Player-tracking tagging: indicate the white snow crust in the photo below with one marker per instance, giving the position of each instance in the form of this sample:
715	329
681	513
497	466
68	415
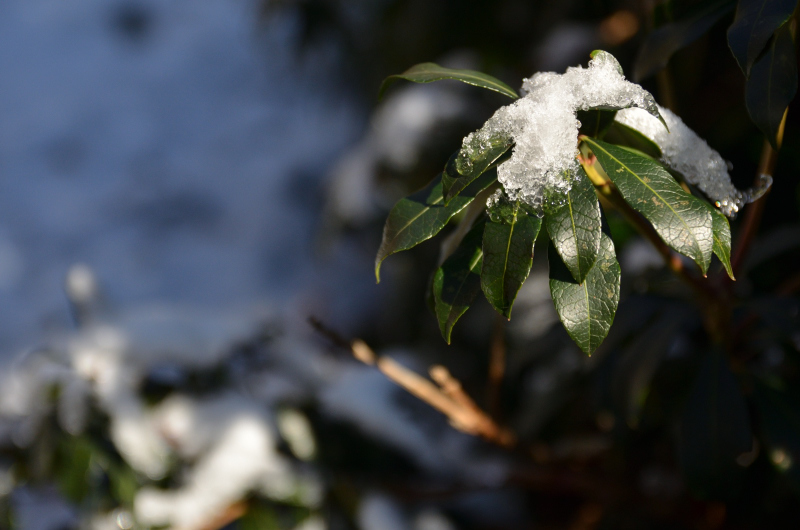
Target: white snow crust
544	127
685	152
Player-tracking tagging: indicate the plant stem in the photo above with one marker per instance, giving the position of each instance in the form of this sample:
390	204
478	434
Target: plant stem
497	365
446	395
752	216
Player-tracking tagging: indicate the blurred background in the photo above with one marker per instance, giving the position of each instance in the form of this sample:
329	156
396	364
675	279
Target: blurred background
183	183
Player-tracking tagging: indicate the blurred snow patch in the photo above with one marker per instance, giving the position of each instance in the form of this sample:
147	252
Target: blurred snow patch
238	455
398	132
431	519
638	256
380	512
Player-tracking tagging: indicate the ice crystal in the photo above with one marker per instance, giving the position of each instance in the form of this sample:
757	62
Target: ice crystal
543	125
682	150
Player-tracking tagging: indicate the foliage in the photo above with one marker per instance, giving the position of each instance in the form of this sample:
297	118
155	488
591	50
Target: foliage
510	228
725	410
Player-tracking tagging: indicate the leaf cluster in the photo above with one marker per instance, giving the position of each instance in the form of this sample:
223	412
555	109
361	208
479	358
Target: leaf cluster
495	254
762	39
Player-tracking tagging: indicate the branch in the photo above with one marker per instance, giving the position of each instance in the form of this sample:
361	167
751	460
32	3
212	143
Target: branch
448	397
497	365
752	216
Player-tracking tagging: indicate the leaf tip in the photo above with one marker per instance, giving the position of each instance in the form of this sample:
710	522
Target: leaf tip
446	332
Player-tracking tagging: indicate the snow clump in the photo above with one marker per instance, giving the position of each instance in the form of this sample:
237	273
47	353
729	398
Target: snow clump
688	154
543	125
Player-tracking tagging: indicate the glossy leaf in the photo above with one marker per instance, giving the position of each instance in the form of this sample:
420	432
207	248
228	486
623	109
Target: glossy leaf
422	215
458	280
682	221
595	122
755	22
772	84
659	46
779	413
714	429
574	228
430	72
507	253
587	310
620	134
722	239
459	173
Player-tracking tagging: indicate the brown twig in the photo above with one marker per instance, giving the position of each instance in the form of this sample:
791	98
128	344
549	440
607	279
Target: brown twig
230	514
448	397
753	214
497	365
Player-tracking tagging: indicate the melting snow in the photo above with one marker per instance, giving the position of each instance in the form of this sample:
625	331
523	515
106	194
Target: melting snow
688	154
544	127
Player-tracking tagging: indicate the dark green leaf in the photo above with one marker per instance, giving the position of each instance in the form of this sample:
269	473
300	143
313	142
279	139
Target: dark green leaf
575	228
639	361
587	310
772	84
123	483
682	221
722	238
714	429
422	215
755	22
666	40
595	122
72	474
779	412
507	252
458	280
429	72
621	134
462	169
260	517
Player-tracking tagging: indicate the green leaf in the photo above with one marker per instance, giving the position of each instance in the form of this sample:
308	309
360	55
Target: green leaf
575	228
458	280
595	122
755	22
620	134
429	72
659	46
462	169
682	221
772	84
123	483
422	215
722	238
72	474
714	429
507	252
587	310
779	412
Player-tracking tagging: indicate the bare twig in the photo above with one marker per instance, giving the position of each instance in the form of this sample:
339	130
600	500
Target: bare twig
497	365
752	216
230	514
448	397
